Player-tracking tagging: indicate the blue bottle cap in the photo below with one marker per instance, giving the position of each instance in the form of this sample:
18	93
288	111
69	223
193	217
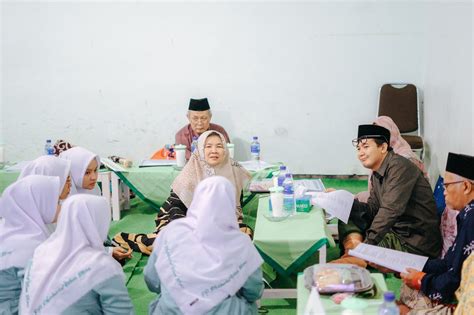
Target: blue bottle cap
255	138
282	167
389	296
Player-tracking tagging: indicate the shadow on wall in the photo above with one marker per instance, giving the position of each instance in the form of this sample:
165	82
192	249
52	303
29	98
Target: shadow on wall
241	150
431	160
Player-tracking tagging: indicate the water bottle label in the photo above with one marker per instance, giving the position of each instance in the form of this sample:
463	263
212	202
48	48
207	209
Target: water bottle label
255	149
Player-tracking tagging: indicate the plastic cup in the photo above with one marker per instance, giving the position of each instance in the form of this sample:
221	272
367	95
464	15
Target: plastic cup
180	150
230	147
276	198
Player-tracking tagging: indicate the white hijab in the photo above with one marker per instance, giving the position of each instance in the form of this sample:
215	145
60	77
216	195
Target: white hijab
80	159
73	259
50	166
26	206
204	258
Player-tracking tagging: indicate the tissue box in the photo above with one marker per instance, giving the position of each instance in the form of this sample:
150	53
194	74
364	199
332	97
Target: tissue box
303	204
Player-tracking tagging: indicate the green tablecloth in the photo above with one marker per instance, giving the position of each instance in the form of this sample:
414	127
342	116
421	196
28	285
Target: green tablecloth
7	178
332	308
287	244
153	184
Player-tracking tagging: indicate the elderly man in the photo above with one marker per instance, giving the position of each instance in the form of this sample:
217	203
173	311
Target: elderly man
400	212
426	291
199	116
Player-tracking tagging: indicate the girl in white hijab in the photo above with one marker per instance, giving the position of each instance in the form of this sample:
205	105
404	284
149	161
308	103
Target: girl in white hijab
27	206
51	166
84	173
84	170
71	273
203	264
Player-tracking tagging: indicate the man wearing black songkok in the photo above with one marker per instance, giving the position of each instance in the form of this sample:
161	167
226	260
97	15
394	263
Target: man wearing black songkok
400	212
431	290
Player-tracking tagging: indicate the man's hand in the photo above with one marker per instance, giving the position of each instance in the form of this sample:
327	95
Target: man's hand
412	278
120	253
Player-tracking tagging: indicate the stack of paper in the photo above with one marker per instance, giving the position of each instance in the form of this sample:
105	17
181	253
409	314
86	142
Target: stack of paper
389	258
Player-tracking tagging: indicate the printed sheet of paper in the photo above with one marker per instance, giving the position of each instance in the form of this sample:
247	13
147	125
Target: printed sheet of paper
18	167
338	203
255	165
389	258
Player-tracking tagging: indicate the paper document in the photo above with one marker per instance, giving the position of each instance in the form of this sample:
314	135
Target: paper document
112	165
314	305
18	167
151	163
255	165
338	203
389	258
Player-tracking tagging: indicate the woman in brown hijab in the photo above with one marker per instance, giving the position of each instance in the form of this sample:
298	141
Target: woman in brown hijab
210	159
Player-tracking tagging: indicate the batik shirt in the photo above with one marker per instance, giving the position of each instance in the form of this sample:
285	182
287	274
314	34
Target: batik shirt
444	275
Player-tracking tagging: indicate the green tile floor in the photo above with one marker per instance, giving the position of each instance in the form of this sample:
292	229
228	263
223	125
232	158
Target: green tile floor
140	219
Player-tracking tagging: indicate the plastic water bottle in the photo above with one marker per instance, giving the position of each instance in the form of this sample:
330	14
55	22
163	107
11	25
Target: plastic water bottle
194	144
389	307
289	205
281	175
48	148
255	149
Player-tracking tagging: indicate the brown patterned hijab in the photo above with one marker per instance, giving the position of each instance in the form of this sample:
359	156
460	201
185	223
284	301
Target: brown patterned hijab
198	169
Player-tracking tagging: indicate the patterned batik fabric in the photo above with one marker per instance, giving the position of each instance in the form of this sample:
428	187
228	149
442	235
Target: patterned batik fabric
60	146
172	209
465	293
421	304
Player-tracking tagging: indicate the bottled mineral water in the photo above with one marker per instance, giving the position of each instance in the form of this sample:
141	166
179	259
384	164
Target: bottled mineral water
389	307
281	175
194	144
289	205
255	149
48	148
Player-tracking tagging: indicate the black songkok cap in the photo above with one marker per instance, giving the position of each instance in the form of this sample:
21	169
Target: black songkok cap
199	105
461	164
373	131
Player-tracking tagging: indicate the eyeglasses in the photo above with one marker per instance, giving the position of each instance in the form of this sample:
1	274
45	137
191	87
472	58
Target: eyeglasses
445	185
363	139
197	119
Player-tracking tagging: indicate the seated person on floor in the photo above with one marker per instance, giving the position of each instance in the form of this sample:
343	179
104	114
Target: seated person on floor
84	173
465	293
199	116
203	264
400	212
399	146
27	206
429	290
50	166
71	272
211	158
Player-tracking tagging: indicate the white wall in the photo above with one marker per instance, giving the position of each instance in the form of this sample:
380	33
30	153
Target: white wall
448	84
117	77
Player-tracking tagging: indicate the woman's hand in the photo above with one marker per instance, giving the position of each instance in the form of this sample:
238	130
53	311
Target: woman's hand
120	253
